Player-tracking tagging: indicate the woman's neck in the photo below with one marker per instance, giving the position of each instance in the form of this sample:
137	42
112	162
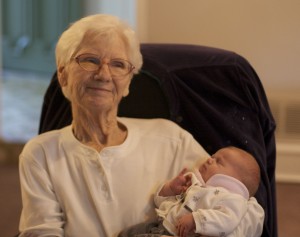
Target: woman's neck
98	130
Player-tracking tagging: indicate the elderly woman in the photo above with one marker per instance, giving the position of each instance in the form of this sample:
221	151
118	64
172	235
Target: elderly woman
97	175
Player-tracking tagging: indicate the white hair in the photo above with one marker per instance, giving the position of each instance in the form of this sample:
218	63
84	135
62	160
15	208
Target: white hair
99	24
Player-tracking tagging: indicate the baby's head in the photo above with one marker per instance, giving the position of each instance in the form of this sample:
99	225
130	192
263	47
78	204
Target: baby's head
233	162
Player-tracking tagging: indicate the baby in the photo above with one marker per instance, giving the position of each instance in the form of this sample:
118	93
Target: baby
211	200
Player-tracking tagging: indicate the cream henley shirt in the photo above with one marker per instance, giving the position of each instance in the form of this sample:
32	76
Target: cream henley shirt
69	189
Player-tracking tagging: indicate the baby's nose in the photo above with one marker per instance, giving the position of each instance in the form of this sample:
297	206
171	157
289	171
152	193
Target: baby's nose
210	160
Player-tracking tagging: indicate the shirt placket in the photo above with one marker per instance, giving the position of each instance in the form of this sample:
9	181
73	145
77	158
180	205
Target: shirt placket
101	174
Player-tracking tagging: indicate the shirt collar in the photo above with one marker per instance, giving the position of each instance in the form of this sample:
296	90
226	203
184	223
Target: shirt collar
220	180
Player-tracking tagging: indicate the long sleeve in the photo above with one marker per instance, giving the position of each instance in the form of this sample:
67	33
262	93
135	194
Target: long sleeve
41	209
252	223
223	216
70	189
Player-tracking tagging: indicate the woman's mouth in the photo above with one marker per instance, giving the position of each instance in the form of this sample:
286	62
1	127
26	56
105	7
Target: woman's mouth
98	89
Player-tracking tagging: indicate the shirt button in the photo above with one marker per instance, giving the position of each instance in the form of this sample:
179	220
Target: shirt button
103	188
88	152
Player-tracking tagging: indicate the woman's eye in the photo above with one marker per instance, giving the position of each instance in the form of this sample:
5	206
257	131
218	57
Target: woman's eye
118	64
91	60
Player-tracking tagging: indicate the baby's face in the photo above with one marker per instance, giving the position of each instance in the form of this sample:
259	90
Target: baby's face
224	161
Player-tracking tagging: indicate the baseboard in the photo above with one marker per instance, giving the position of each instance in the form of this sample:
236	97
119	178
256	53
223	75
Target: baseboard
9	152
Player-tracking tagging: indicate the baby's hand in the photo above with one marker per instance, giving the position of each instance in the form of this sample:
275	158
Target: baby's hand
185	225
180	183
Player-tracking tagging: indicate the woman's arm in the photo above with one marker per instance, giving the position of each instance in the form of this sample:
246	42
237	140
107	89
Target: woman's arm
41	213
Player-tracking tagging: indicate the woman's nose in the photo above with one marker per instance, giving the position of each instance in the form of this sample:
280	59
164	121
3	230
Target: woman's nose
104	73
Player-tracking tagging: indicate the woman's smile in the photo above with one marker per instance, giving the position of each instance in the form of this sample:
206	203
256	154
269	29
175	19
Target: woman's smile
99	90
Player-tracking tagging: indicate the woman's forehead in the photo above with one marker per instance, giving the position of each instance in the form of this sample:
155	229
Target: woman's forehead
111	37
103	46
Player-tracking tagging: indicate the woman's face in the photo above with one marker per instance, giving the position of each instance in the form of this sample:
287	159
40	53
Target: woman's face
96	90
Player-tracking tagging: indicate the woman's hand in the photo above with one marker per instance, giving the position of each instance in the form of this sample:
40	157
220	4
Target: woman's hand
186	225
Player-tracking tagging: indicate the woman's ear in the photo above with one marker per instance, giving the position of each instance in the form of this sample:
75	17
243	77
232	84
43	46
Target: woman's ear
126	89
62	76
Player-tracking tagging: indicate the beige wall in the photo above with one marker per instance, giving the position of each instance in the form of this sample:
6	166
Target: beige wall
266	32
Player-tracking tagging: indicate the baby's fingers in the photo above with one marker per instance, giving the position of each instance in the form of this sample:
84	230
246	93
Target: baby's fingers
183	171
